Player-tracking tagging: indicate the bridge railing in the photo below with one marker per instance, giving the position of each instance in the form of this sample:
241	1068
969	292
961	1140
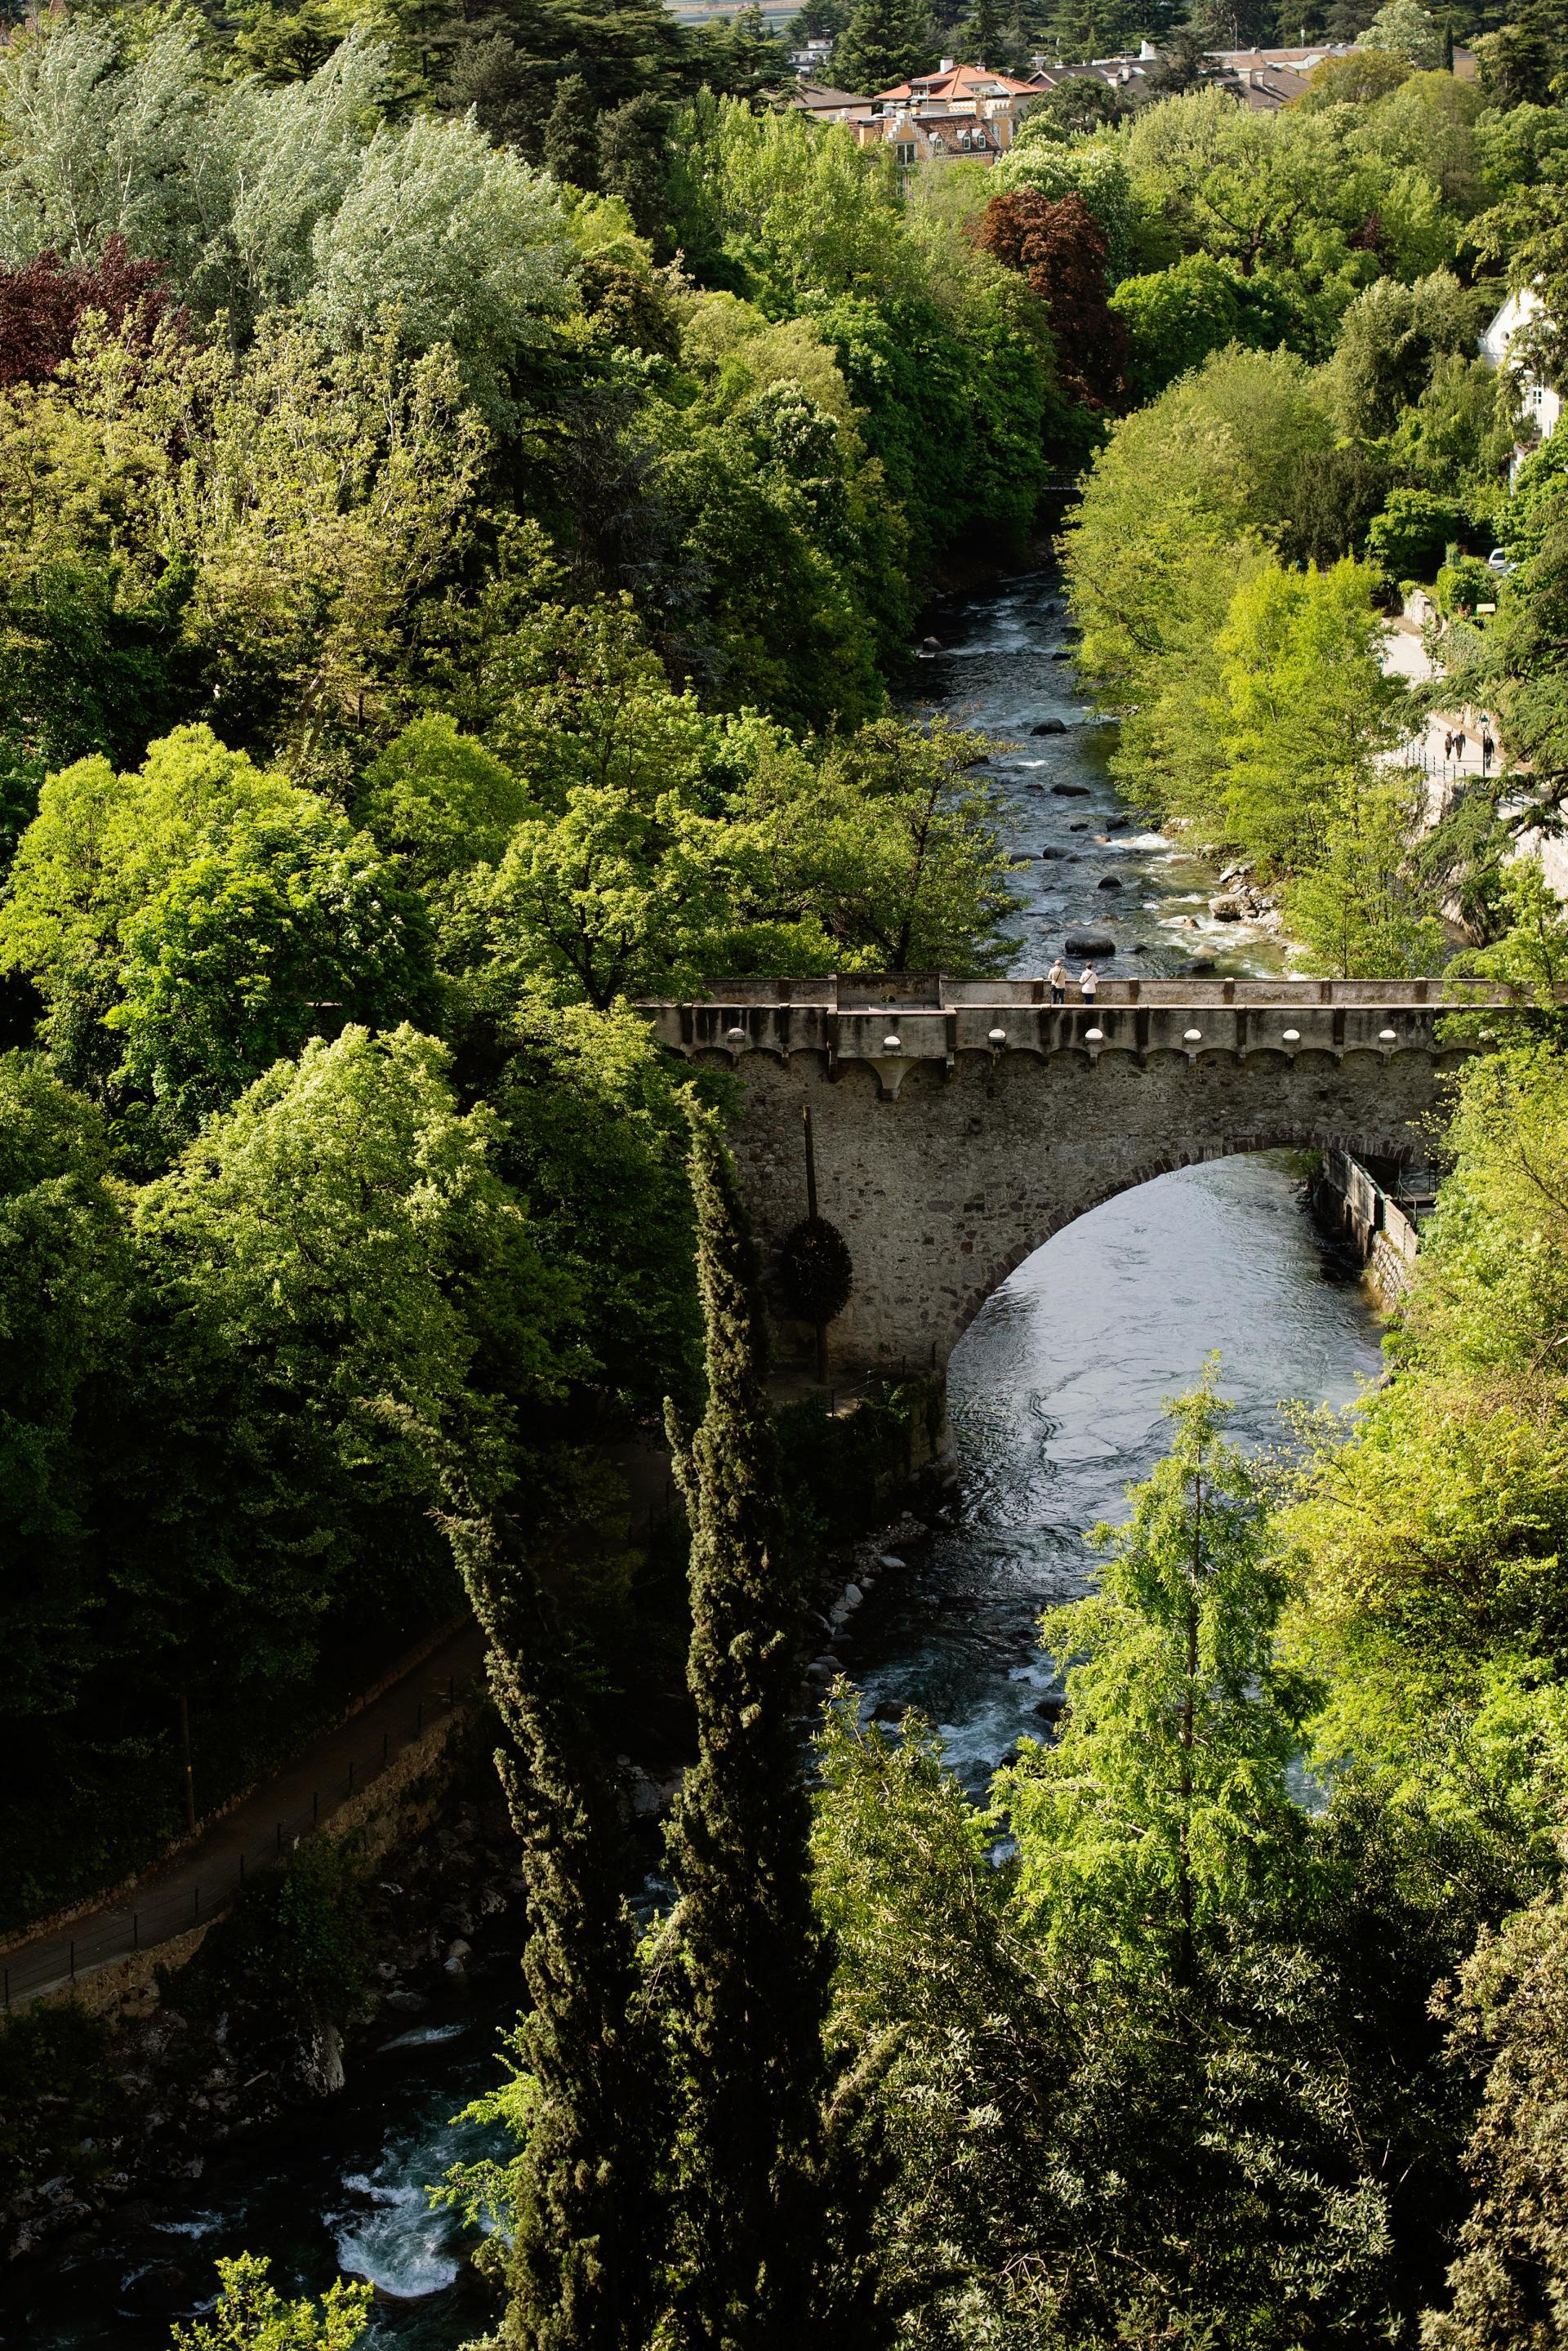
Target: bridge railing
935	992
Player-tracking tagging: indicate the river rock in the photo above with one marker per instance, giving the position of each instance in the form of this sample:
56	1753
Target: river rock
407	2003
321	2069
1050	727
1089	942
1062	654
1070	792
1226	909
887	1710
1111	881
1202	967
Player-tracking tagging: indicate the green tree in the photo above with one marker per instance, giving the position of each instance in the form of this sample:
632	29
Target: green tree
67	1300
583	2208
440	802
593	1136
287	929
1096	2112
1162	1812
893	849
1307	714
1410	534
1361	907
885	42
747	1981
331	1266
612	897
571	137
458	242
1390	340
1176	518
630	139
1403	28
224	916
252	2316
1509	2012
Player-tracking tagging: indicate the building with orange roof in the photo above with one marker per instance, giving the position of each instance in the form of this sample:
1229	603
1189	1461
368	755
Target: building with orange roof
959	110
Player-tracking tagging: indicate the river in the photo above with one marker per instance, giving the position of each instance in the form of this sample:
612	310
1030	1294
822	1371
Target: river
1056	1395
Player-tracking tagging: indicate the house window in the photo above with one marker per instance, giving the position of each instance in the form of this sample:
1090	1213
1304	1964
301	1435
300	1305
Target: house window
905	151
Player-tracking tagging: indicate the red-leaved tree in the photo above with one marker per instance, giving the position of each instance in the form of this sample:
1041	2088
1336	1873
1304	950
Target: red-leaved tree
43	304
1058	245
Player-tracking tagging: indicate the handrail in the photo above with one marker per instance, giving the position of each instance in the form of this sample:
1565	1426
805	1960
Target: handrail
935	992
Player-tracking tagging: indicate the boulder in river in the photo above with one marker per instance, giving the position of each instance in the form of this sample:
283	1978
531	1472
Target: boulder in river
1070	792
1062	654
1089	942
1202	968
1047	854
1111	881
1226	909
1050	727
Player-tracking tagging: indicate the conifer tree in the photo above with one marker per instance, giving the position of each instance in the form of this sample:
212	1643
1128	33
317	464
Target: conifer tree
753	2254
571	134
885	42
979	40
585	2258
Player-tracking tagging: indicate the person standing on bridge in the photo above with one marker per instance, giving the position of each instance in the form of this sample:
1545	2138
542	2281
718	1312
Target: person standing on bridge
1057	976
1088	981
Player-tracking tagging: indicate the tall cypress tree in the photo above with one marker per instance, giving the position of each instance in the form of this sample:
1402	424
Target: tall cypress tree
752	2252
571	134
586	2258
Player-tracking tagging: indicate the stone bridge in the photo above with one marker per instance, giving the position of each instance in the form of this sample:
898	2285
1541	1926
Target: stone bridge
958	1124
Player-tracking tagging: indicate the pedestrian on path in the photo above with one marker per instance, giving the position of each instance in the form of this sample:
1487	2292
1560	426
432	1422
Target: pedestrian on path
1088	981
1488	748
1057	975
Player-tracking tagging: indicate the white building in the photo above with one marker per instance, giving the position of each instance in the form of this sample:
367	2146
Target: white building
1542	405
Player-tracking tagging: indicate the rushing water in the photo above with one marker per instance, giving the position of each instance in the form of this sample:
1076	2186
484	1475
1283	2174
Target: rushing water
1056	1396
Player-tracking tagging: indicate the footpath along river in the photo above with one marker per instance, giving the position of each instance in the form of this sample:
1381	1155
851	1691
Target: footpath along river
1056	1404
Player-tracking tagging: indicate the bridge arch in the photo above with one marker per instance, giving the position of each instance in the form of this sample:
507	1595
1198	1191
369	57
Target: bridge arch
988	1281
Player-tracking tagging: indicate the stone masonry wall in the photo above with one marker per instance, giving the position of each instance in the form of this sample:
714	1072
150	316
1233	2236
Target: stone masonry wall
942	1190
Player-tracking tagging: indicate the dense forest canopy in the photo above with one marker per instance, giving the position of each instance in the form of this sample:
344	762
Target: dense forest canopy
468	477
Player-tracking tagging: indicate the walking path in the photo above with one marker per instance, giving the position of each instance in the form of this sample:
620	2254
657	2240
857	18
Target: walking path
1404	655
200	1881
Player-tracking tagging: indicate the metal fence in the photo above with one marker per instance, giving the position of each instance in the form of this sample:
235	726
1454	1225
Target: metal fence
149	1916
